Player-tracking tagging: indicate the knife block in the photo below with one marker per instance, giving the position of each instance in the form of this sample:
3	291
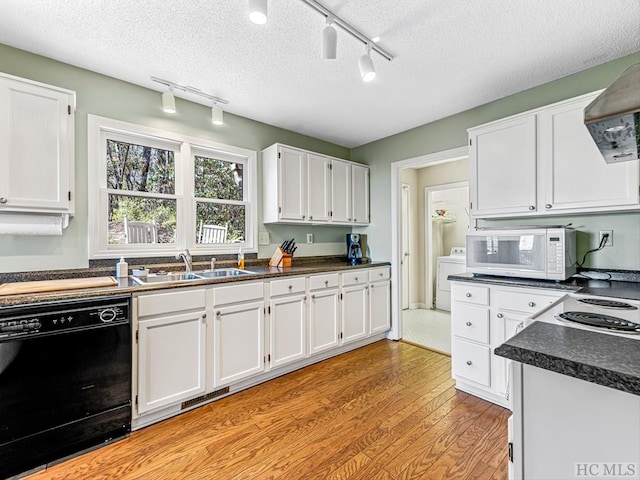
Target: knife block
280	258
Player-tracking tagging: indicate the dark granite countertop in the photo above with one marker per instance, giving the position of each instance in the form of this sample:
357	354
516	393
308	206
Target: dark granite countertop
604	288
609	360
128	286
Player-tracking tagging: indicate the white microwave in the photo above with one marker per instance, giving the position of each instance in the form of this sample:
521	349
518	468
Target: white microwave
546	253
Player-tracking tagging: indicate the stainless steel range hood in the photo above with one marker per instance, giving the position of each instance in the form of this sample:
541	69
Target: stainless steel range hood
613	118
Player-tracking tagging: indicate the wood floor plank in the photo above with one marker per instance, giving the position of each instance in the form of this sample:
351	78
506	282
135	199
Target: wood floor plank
382	412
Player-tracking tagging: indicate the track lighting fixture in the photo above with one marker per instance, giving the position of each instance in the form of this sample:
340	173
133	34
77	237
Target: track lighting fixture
217	115
367	70
258	11
329	41
168	101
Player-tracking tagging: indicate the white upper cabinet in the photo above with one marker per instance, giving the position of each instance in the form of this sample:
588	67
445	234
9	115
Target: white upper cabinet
544	162
318	188
305	187
573	174
360	194
502	162
36	147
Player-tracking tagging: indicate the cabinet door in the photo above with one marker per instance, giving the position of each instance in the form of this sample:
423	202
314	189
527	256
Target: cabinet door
238	342
288	321
573	172
380	306
505	324
360	194
502	163
354	313
292	176
171	360
36	146
318	188
324	321
340	192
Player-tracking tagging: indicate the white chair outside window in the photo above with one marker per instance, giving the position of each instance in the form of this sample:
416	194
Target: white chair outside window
140	232
212	233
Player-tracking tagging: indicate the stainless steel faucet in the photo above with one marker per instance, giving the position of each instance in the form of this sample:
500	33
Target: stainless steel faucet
186	258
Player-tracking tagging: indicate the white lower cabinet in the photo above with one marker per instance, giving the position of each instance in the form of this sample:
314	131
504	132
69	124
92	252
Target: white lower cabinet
379	300
238	333
287	322
324	313
355	324
171	350
482	318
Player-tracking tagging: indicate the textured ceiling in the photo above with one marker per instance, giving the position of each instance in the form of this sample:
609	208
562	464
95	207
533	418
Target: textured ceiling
450	55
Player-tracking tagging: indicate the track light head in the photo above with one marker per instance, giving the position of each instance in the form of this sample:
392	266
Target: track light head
258	11
168	102
329	41
217	115
365	64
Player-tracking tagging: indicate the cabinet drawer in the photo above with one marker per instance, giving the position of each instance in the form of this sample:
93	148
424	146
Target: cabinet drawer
470	294
174	301
241	292
471	361
522	301
470	322
354	278
287	285
330	280
379	274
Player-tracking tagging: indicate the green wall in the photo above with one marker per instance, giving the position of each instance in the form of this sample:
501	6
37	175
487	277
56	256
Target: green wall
451	132
106	96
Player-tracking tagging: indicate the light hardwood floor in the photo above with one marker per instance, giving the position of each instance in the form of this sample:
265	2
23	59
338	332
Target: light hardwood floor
385	411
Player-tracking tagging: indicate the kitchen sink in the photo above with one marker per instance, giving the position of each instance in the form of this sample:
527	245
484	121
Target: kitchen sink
185	277
223	272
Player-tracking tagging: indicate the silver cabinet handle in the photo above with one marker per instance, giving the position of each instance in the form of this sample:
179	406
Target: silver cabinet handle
371	285
310	217
204	318
326	283
532	304
469	362
500	315
531	207
290	287
468	324
356	279
305	298
218	314
355	219
3	200
304	216
349	219
313	297
548	206
381	274
468	295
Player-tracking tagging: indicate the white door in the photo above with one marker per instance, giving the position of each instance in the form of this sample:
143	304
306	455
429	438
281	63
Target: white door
318	188
36	146
288	332
340	192
324	321
292	173
380	306
502	166
171	360
239	342
354	313
360	194
406	274
573	172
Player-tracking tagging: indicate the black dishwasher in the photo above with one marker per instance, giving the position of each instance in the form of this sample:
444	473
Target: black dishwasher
65	379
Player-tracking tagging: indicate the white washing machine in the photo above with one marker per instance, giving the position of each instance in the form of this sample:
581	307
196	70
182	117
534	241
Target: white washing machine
448	265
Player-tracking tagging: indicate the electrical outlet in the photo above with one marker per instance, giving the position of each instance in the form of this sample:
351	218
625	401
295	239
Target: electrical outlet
263	238
609	240
309	237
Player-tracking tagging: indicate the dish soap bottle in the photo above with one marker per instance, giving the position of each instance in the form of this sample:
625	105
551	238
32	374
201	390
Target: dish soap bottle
122	268
241	259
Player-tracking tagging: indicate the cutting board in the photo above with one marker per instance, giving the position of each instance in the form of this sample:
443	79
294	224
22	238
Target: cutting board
17	288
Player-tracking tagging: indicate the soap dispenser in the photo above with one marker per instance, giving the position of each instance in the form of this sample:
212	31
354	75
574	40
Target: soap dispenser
241	259
122	268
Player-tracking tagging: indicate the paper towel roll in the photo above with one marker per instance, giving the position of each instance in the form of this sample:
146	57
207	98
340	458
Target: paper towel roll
30	224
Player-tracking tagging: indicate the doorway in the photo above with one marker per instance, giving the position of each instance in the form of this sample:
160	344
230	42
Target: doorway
417	227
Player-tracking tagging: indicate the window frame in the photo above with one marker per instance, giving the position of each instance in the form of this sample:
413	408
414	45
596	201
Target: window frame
185	148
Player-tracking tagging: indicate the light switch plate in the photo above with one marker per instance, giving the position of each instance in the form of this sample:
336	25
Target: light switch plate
263	238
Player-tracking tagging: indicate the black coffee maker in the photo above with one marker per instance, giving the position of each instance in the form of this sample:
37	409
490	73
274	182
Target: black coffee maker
357	250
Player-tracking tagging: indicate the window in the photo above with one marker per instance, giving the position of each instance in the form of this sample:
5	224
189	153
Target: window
156	193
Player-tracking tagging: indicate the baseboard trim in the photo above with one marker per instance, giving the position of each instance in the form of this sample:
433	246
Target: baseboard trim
417	306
